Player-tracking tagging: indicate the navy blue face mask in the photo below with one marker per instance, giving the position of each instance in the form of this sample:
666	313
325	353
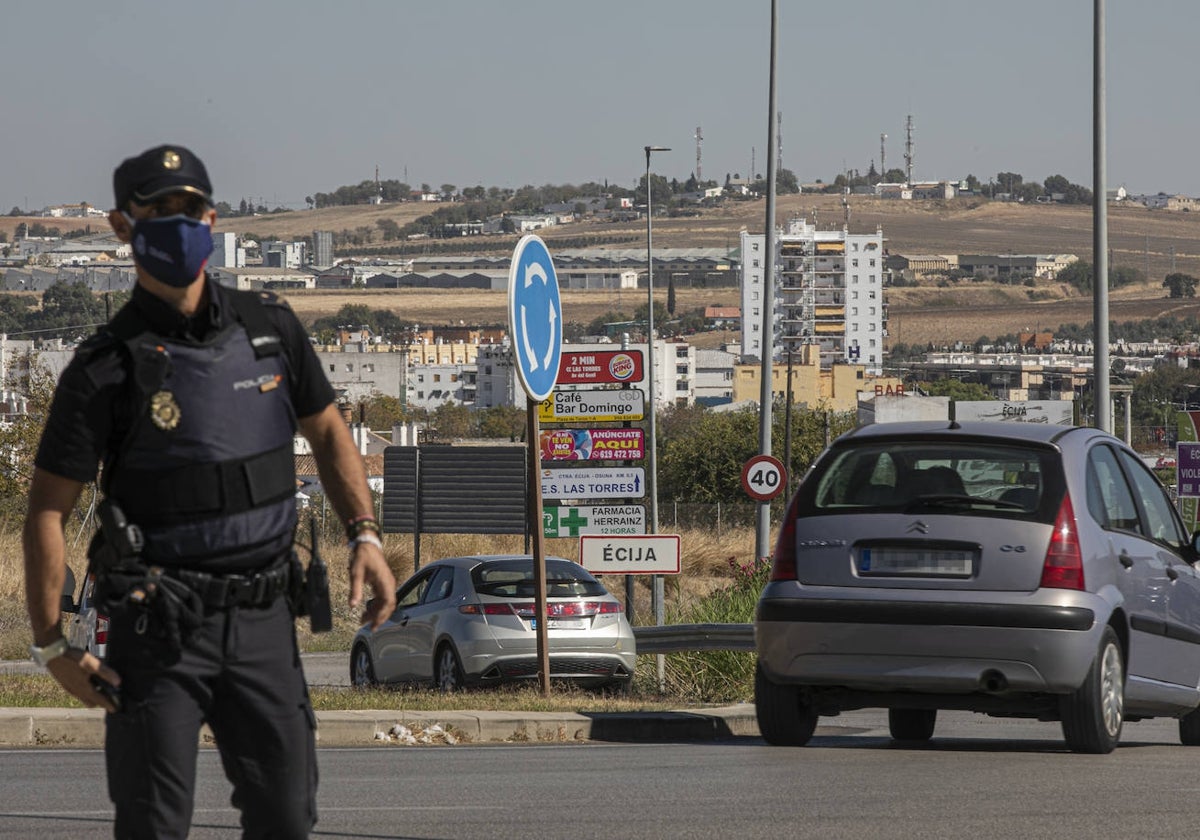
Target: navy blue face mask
173	249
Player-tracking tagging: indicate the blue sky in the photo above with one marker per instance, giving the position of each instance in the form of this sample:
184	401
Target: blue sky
284	98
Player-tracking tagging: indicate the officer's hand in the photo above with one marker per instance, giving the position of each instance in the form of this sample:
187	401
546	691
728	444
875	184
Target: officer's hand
74	671
367	565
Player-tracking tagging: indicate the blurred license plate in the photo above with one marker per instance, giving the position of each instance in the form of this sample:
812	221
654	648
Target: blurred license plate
915	561
560	624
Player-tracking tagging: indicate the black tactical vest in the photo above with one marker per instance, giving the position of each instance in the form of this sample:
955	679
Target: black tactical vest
206	466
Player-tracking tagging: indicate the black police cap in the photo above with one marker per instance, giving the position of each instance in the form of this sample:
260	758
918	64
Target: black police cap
157	172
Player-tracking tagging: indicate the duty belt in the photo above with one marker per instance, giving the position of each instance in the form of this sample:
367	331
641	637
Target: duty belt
233	590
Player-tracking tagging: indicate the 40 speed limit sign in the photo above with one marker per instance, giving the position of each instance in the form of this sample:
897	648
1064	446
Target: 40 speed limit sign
763	478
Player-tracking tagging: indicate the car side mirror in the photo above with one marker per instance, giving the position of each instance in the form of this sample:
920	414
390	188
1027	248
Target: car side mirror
1196	546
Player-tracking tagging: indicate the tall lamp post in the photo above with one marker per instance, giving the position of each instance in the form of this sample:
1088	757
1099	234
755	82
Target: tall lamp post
658	595
652	444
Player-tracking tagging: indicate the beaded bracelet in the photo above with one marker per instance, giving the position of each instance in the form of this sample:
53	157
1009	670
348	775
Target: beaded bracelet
360	525
369	539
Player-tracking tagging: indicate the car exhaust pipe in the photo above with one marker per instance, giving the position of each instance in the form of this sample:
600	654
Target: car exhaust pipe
993	682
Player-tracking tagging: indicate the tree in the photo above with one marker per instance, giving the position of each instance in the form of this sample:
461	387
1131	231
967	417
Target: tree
1181	285
451	421
701	452
16	211
660	191
661	315
671	295
448	190
390	229
501	421
598	326
785	182
956	390
381	412
1009	182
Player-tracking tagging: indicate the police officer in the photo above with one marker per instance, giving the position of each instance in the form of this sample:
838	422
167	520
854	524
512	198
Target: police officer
190	398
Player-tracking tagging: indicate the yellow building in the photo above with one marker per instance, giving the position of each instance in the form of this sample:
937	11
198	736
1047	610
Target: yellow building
836	388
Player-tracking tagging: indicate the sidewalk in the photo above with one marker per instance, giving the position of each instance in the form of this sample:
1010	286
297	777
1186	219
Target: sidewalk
21	727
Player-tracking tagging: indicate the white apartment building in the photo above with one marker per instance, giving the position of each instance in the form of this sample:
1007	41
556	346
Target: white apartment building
714	376
827	291
226	253
322	248
280	254
357	374
430	386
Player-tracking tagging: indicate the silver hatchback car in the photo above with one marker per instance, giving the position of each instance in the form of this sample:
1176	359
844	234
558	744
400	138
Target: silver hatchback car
471	620
1010	569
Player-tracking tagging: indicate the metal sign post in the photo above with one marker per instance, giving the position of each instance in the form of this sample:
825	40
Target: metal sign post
535	324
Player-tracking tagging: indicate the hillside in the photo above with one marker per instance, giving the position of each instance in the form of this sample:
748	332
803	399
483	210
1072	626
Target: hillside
1155	243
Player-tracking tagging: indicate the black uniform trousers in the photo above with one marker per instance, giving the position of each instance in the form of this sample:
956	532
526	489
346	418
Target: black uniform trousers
241	674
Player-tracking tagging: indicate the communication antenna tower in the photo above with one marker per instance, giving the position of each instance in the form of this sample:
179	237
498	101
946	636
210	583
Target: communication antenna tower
908	149
699	138
750	178
882	153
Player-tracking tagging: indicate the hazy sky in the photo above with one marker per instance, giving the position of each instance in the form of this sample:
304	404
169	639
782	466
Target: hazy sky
285	98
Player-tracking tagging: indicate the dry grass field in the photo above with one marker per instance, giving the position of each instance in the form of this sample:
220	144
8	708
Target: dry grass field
705	563
1154	242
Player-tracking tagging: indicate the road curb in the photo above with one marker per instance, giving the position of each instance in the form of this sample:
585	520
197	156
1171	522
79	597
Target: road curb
84	728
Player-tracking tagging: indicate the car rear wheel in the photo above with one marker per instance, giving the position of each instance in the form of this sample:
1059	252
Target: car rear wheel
362	672
447	671
784	718
1189	729
913	725
1092	716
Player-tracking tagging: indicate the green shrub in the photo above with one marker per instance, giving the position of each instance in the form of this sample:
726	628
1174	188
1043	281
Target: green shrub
715	676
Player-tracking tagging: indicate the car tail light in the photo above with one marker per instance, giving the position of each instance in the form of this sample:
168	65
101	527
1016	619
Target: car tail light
101	629
554	609
783	563
1063	566
486	609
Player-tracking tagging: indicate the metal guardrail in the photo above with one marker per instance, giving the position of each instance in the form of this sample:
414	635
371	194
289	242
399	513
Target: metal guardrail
676	638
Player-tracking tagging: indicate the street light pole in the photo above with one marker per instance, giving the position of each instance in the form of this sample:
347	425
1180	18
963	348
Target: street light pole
658	596
652	444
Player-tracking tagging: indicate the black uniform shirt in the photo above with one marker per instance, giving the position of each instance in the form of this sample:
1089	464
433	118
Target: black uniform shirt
79	429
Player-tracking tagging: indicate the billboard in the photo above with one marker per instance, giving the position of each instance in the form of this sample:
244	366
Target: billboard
1054	412
600	367
592	444
592	406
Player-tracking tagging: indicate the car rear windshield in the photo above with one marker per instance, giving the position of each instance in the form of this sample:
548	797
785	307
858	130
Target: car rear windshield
964	475
514	579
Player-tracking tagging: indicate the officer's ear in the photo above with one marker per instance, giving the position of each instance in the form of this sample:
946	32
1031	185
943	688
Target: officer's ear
210	216
120	225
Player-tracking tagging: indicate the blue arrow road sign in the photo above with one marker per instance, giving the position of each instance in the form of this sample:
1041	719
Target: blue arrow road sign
535	317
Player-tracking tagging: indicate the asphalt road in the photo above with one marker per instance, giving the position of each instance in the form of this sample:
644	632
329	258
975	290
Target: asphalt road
979	777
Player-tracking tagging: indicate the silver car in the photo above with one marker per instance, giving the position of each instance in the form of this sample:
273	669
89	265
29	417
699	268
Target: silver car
1011	569
471	620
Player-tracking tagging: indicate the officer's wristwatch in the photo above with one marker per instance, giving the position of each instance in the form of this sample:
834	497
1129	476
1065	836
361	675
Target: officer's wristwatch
43	656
